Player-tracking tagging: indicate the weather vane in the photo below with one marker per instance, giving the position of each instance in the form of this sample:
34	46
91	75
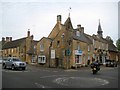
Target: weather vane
69	11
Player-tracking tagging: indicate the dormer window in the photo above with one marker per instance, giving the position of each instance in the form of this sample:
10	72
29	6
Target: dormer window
78	33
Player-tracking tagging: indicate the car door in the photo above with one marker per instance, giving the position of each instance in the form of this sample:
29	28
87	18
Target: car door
9	62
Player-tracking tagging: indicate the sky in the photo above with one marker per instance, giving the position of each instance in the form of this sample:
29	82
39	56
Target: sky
17	16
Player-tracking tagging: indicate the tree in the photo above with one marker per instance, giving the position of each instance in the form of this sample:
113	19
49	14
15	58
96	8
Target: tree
118	44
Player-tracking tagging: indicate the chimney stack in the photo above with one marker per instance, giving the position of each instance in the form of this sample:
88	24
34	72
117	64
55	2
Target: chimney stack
7	39
3	39
82	29
32	37
59	19
10	38
28	33
78	26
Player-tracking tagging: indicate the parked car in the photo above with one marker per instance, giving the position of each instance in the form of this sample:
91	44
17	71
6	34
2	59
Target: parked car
111	63
14	63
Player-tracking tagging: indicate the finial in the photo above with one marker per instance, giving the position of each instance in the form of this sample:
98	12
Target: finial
69	11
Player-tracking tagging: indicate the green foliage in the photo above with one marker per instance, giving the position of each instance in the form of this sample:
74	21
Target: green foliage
118	44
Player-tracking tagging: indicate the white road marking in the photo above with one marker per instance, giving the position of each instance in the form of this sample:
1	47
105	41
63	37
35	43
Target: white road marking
12	71
39	85
63	81
71	70
101	81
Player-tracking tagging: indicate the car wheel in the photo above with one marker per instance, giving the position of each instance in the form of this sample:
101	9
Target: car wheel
4	66
12	67
23	68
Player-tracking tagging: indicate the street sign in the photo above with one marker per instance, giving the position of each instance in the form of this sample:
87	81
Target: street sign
67	52
78	52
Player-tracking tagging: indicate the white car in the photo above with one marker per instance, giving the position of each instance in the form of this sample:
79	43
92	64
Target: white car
14	63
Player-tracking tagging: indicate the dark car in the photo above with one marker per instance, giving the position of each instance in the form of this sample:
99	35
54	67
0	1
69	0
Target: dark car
111	63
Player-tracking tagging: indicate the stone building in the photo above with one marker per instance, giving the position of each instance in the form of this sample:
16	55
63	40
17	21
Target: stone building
103	48
43	51
113	53
67	47
22	48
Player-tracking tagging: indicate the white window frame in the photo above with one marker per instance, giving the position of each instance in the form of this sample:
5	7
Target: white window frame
79	61
42	59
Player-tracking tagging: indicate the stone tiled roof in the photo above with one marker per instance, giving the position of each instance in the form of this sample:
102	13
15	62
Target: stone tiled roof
13	44
101	39
68	22
83	37
111	46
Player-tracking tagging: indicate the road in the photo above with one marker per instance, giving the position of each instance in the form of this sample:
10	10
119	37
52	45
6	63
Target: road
39	77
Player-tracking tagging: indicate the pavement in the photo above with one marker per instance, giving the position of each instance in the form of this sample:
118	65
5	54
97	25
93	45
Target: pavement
76	69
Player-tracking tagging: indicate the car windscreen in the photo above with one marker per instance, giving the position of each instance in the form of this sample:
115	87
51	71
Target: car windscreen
16	60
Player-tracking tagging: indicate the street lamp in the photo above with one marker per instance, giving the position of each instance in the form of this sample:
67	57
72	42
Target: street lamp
50	52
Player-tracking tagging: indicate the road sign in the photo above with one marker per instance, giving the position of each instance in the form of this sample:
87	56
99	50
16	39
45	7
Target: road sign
67	52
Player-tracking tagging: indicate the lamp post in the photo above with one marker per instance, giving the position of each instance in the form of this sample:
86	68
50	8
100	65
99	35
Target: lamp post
62	47
50	53
68	52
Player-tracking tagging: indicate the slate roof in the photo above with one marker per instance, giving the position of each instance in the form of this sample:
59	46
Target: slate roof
13	44
31	50
83	37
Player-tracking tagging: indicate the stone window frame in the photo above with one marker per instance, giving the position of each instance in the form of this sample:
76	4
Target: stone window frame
41	47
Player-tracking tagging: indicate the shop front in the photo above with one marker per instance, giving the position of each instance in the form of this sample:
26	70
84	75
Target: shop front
78	58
